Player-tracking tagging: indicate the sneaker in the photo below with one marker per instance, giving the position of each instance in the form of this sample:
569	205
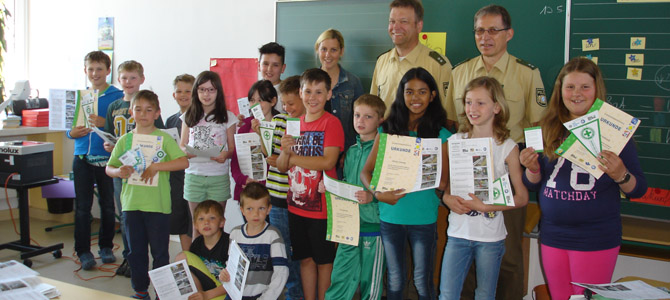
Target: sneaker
122	268
141	295
87	261
107	255
127	272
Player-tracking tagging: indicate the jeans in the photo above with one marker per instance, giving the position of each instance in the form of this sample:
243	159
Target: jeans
458	256
422	241
146	229
85	177
118	185
279	219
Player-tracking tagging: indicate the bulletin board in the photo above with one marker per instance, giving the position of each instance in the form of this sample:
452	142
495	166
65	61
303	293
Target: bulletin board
630	40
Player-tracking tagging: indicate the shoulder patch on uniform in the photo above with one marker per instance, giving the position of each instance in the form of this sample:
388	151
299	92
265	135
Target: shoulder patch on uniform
384	53
437	57
525	63
460	63
540	97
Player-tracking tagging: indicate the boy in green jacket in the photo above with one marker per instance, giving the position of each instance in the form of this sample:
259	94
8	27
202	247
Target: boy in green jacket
363	263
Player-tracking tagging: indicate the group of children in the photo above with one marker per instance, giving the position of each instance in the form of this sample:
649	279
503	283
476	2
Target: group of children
291	249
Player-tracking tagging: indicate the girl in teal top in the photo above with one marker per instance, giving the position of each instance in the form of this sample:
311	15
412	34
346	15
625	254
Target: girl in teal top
416	111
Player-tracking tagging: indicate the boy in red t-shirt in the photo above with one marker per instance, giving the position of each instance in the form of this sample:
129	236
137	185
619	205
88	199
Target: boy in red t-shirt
306	158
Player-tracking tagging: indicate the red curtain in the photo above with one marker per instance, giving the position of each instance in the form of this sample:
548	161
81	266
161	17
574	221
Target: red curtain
237	76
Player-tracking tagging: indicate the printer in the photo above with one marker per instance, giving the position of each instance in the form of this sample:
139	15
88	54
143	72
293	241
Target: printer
33	161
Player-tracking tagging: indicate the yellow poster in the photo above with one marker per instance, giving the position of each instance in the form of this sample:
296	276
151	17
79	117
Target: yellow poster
434	40
594	59
590	44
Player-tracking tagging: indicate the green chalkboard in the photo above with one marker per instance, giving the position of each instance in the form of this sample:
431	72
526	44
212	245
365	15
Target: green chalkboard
362	23
616	25
539	32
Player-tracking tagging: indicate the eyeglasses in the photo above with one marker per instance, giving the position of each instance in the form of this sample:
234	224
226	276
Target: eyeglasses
490	31
206	91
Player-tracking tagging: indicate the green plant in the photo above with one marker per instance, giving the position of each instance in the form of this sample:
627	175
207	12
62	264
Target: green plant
4	13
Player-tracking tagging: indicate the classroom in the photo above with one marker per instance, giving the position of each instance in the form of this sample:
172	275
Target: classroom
50	39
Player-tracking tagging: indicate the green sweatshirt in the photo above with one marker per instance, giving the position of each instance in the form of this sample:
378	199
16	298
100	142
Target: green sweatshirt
353	165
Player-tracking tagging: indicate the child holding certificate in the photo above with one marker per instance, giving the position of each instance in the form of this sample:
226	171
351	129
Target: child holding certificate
305	158
265	95
147	208
417	111
581	223
277	182
364	263
207	136
477	230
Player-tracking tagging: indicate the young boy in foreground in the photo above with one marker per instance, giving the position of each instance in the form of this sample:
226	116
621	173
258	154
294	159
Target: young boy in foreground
263	245
306	158
179	219
209	251
363	263
89	168
147	208
118	122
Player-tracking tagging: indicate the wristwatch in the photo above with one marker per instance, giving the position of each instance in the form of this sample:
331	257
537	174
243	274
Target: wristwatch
624	179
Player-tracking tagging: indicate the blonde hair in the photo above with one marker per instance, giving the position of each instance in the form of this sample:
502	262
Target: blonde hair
553	131
493	87
372	101
131	66
329	34
207	206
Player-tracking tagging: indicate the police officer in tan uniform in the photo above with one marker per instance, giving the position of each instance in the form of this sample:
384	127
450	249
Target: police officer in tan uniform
526	98
405	23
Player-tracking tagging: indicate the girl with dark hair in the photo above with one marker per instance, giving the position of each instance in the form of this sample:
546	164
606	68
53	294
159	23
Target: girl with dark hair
263	93
417	111
208	128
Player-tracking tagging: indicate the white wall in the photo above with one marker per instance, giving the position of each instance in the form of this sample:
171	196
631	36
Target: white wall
169	37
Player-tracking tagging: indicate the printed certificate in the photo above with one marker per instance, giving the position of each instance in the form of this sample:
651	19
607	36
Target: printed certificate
150	149
616	129
471	168
249	155
409	163
343	214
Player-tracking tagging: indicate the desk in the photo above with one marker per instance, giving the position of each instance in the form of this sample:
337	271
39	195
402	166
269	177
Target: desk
23	244
70	291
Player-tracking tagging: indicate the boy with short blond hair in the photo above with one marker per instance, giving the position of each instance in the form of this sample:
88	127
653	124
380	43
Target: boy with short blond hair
88	166
118	122
364	263
146	208
263	245
180	218
306	159
209	251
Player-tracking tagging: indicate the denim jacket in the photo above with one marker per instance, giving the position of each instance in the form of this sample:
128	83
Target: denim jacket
345	92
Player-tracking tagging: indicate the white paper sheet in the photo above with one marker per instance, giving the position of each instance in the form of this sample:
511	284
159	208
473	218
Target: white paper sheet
173	281
238	268
637	289
249	155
